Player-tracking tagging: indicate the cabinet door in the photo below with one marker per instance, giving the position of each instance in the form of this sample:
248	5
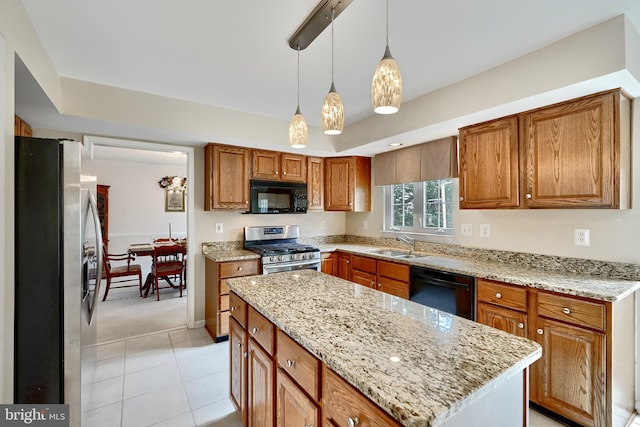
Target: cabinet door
294	408
315	184
266	164
344	266
363	278
339	181
489	170
569	379
238	369
260	387
393	287
328	263
505	319
571	153
294	167
226	177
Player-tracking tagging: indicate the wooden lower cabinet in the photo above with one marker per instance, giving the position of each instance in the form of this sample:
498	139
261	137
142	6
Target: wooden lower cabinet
363	278
287	385
294	408
329	263
260	387
393	278
587	346
344	266
238	368
344	405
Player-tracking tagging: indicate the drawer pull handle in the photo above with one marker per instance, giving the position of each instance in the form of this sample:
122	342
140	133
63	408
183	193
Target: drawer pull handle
291	363
566	310
353	422
498	295
239	345
521	325
379	285
239	268
540	331
255	330
233	308
245	354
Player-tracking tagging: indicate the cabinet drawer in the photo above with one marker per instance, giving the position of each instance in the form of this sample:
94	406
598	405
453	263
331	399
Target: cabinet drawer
224	287
393	270
261	330
567	309
342	401
501	294
238	268
223	323
394	287
238	309
363	264
301	365
224	302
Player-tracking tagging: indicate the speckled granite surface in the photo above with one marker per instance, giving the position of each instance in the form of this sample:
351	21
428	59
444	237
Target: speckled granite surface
584	285
445	362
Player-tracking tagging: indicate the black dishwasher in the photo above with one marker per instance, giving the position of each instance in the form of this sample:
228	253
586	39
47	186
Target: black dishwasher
449	292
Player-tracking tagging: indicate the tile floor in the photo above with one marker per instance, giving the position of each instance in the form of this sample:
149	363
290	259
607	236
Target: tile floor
178	378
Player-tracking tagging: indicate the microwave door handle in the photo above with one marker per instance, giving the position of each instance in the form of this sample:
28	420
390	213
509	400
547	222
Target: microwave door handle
93	207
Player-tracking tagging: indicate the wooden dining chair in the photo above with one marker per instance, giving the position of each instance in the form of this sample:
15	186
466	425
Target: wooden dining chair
120	271
168	262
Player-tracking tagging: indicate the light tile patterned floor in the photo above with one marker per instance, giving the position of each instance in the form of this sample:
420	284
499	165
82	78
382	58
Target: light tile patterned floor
178	378
173	379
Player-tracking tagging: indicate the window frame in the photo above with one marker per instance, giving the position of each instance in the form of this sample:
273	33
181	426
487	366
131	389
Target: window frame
419	211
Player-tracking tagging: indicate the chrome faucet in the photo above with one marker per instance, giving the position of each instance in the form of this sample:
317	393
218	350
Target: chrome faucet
409	241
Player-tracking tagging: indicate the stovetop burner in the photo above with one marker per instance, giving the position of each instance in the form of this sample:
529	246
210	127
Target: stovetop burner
282	248
279	245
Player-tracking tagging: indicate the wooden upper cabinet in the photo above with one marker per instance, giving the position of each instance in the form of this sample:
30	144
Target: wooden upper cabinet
21	128
572	154
489	165
347	184
266	164
274	165
294	167
226	177
315	184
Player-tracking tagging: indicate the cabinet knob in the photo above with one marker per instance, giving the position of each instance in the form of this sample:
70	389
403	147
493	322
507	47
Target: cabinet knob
498	295
245	354
232	308
255	330
528	196
540	331
373	283
353	422
239	345
347	261
566	310
239	268
462	199
276	172
379	285
521	325
283	173
291	363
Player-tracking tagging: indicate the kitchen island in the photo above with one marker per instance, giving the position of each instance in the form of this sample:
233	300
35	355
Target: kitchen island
421	366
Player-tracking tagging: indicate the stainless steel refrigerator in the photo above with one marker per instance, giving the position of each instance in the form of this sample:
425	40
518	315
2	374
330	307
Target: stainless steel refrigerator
58	255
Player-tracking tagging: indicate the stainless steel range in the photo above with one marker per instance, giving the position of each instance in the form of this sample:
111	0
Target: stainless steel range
280	250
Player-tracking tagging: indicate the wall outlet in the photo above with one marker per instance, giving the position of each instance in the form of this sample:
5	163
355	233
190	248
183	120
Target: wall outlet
219	227
323	225
466	230
581	237
485	230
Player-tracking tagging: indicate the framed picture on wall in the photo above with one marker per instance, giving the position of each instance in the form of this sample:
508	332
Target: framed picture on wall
173	200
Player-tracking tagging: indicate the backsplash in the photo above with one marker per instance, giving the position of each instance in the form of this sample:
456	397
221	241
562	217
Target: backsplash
613	270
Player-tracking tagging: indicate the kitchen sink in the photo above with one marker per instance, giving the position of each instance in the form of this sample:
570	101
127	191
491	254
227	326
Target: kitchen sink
395	253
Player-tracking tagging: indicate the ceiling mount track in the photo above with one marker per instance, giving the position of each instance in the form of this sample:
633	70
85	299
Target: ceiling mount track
316	22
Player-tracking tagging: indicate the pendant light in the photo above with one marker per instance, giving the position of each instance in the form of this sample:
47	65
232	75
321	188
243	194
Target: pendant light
298	130
386	88
332	115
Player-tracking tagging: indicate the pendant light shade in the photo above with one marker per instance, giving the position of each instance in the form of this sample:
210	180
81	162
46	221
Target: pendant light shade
298	130
332	115
386	87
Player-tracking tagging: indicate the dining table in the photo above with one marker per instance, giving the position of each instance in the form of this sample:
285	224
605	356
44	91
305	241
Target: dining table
146	249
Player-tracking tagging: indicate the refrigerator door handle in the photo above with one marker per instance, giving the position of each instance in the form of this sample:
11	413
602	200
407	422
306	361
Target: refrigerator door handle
93	207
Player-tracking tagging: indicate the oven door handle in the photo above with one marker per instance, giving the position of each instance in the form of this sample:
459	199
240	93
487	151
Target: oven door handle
297	265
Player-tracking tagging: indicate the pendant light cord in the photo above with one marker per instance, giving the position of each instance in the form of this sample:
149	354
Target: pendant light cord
332	14
298	76
387	22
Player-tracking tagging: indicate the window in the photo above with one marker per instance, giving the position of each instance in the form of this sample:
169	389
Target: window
419	207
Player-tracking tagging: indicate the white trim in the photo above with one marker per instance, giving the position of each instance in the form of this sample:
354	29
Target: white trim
90	141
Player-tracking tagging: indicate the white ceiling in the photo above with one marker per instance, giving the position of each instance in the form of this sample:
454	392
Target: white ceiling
234	54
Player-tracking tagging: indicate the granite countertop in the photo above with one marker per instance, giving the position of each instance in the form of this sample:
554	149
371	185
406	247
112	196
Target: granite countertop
445	362
224	255
583	285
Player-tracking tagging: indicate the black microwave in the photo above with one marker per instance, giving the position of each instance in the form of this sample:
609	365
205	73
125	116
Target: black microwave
276	197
